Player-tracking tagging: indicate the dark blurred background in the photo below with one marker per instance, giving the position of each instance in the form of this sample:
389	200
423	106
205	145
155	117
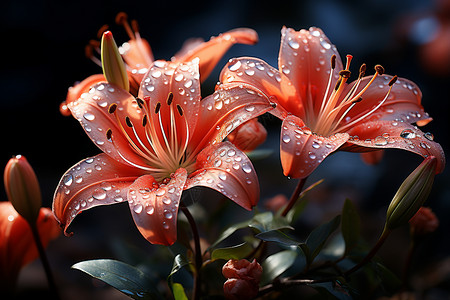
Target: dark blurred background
43	54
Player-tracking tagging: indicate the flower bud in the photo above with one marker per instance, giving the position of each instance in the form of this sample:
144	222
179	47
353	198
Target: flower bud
112	62
412	194
248	136
22	188
243	279
423	222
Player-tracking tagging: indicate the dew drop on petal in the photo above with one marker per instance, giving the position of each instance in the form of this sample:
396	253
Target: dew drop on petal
286	138
246	168
167	214
150	210
68	179
138	208
89	116
407	134
293	44
160	192
235	66
223	176
99	194
429	136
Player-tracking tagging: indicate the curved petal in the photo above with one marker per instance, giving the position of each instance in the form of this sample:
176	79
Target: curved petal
403	102
262	77
75	91
91	110
154	207
305	61
227	108
301	151
98	180
395	134
229	171
180	79
212	51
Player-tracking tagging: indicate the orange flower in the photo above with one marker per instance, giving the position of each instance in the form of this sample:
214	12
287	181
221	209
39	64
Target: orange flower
322	113
138	56
157	145
423	222
17	246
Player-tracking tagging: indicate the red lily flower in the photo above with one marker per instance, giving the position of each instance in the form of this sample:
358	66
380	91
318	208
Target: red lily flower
138	56
321	113
17	246
157	145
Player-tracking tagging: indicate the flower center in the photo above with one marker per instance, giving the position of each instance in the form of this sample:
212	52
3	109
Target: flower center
161	138
333	110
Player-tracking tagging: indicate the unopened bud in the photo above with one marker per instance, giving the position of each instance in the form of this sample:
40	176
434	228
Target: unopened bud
22	188
248	136
243	279
112	62
412	194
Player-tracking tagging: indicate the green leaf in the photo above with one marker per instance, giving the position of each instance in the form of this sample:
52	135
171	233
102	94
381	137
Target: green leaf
235	252
388	279
279	237
178	262
276	264
350	225
267	221
229	231
123	277
178	291
317	238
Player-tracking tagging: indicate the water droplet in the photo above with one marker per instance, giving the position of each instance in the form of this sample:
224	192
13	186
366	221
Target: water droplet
235	66
286	138
408	134
429	136
222	176
150	210
167	214
68	179
312	156
78	179
89	116
217	163
179	77
293	44
138	208
160	192
165	225
99	194
380	141
315	145
231	152
167	200
188	83
325	44
246	168
250	72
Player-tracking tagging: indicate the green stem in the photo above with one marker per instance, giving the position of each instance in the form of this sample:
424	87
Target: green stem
371	254
294	196
197	253
44	260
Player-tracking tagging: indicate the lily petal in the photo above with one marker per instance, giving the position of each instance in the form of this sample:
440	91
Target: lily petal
229	171
79	88
212	51
154	207
403	102
301	151
395	134
304	60
98	180
228	107
179	79
91	110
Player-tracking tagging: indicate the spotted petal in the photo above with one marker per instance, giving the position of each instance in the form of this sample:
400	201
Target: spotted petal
154	207
228	107
395	134
212	51
98	180
229	171
305	61
301	151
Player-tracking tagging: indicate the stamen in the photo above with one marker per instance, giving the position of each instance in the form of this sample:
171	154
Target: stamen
128	122
144	121
357	100
393	80
158	107
362	70
102	30
169	98
89	52
333	61
112	108
140	102
379	69
338	83
122	19
345	73
180	110
109	135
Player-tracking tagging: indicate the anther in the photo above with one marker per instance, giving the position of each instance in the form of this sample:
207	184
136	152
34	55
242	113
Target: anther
134	25
357	100
345	73
121	18
393	80
362	70
109	134
379	69
144	121
333	61
128	122
158	107
140	102
169	98
112	108
102	30
338	83
89	51
180	110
